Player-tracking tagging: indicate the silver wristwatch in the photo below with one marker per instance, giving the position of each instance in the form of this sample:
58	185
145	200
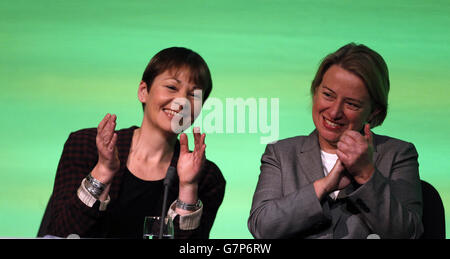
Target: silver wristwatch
94	186
187	206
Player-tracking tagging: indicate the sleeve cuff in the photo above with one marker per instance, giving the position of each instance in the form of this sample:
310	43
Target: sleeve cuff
189	221
363	196
89	200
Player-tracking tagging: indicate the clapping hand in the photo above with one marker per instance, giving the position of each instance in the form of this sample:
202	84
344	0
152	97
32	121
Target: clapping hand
108	156
337	179
189	167
354	160
355	152
191	163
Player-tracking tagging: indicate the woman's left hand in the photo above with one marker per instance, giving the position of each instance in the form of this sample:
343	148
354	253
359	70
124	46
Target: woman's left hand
190	165
355	152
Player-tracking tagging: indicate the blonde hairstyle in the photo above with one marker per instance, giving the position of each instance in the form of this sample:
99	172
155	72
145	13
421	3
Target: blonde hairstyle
367	65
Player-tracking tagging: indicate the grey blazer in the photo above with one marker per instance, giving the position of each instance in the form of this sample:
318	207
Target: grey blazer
285	204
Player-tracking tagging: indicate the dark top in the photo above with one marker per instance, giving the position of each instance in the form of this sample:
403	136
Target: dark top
70	215
137	199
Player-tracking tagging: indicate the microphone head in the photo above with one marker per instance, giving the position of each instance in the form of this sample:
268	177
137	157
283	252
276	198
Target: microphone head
170	175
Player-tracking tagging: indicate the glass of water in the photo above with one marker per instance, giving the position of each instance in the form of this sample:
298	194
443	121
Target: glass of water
152	226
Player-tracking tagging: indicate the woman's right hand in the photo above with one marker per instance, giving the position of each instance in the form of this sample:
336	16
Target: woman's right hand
108	156
335	180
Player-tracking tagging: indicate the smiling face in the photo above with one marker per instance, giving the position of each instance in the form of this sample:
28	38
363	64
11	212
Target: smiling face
172	98
341	102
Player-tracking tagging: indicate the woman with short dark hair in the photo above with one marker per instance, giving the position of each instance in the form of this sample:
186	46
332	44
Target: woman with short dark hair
107	181
341	181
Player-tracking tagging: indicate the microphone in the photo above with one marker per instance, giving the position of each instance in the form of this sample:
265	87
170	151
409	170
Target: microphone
170	176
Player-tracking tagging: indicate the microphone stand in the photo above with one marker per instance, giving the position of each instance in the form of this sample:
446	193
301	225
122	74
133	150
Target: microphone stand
170	175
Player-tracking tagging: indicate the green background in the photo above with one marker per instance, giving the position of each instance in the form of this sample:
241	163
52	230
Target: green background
65	64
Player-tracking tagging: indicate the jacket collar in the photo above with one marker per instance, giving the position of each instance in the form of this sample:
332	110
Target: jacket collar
309	157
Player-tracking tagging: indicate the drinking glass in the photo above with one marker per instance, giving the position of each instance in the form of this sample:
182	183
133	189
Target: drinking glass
152	227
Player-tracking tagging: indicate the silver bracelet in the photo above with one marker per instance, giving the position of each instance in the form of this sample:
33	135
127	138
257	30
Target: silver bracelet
95	192
190	207
93	186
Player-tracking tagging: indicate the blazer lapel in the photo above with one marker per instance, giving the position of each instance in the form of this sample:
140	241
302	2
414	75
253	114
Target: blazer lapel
375	147
309	158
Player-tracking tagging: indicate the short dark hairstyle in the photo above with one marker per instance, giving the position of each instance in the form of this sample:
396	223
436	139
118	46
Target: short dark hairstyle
369	66
177	58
